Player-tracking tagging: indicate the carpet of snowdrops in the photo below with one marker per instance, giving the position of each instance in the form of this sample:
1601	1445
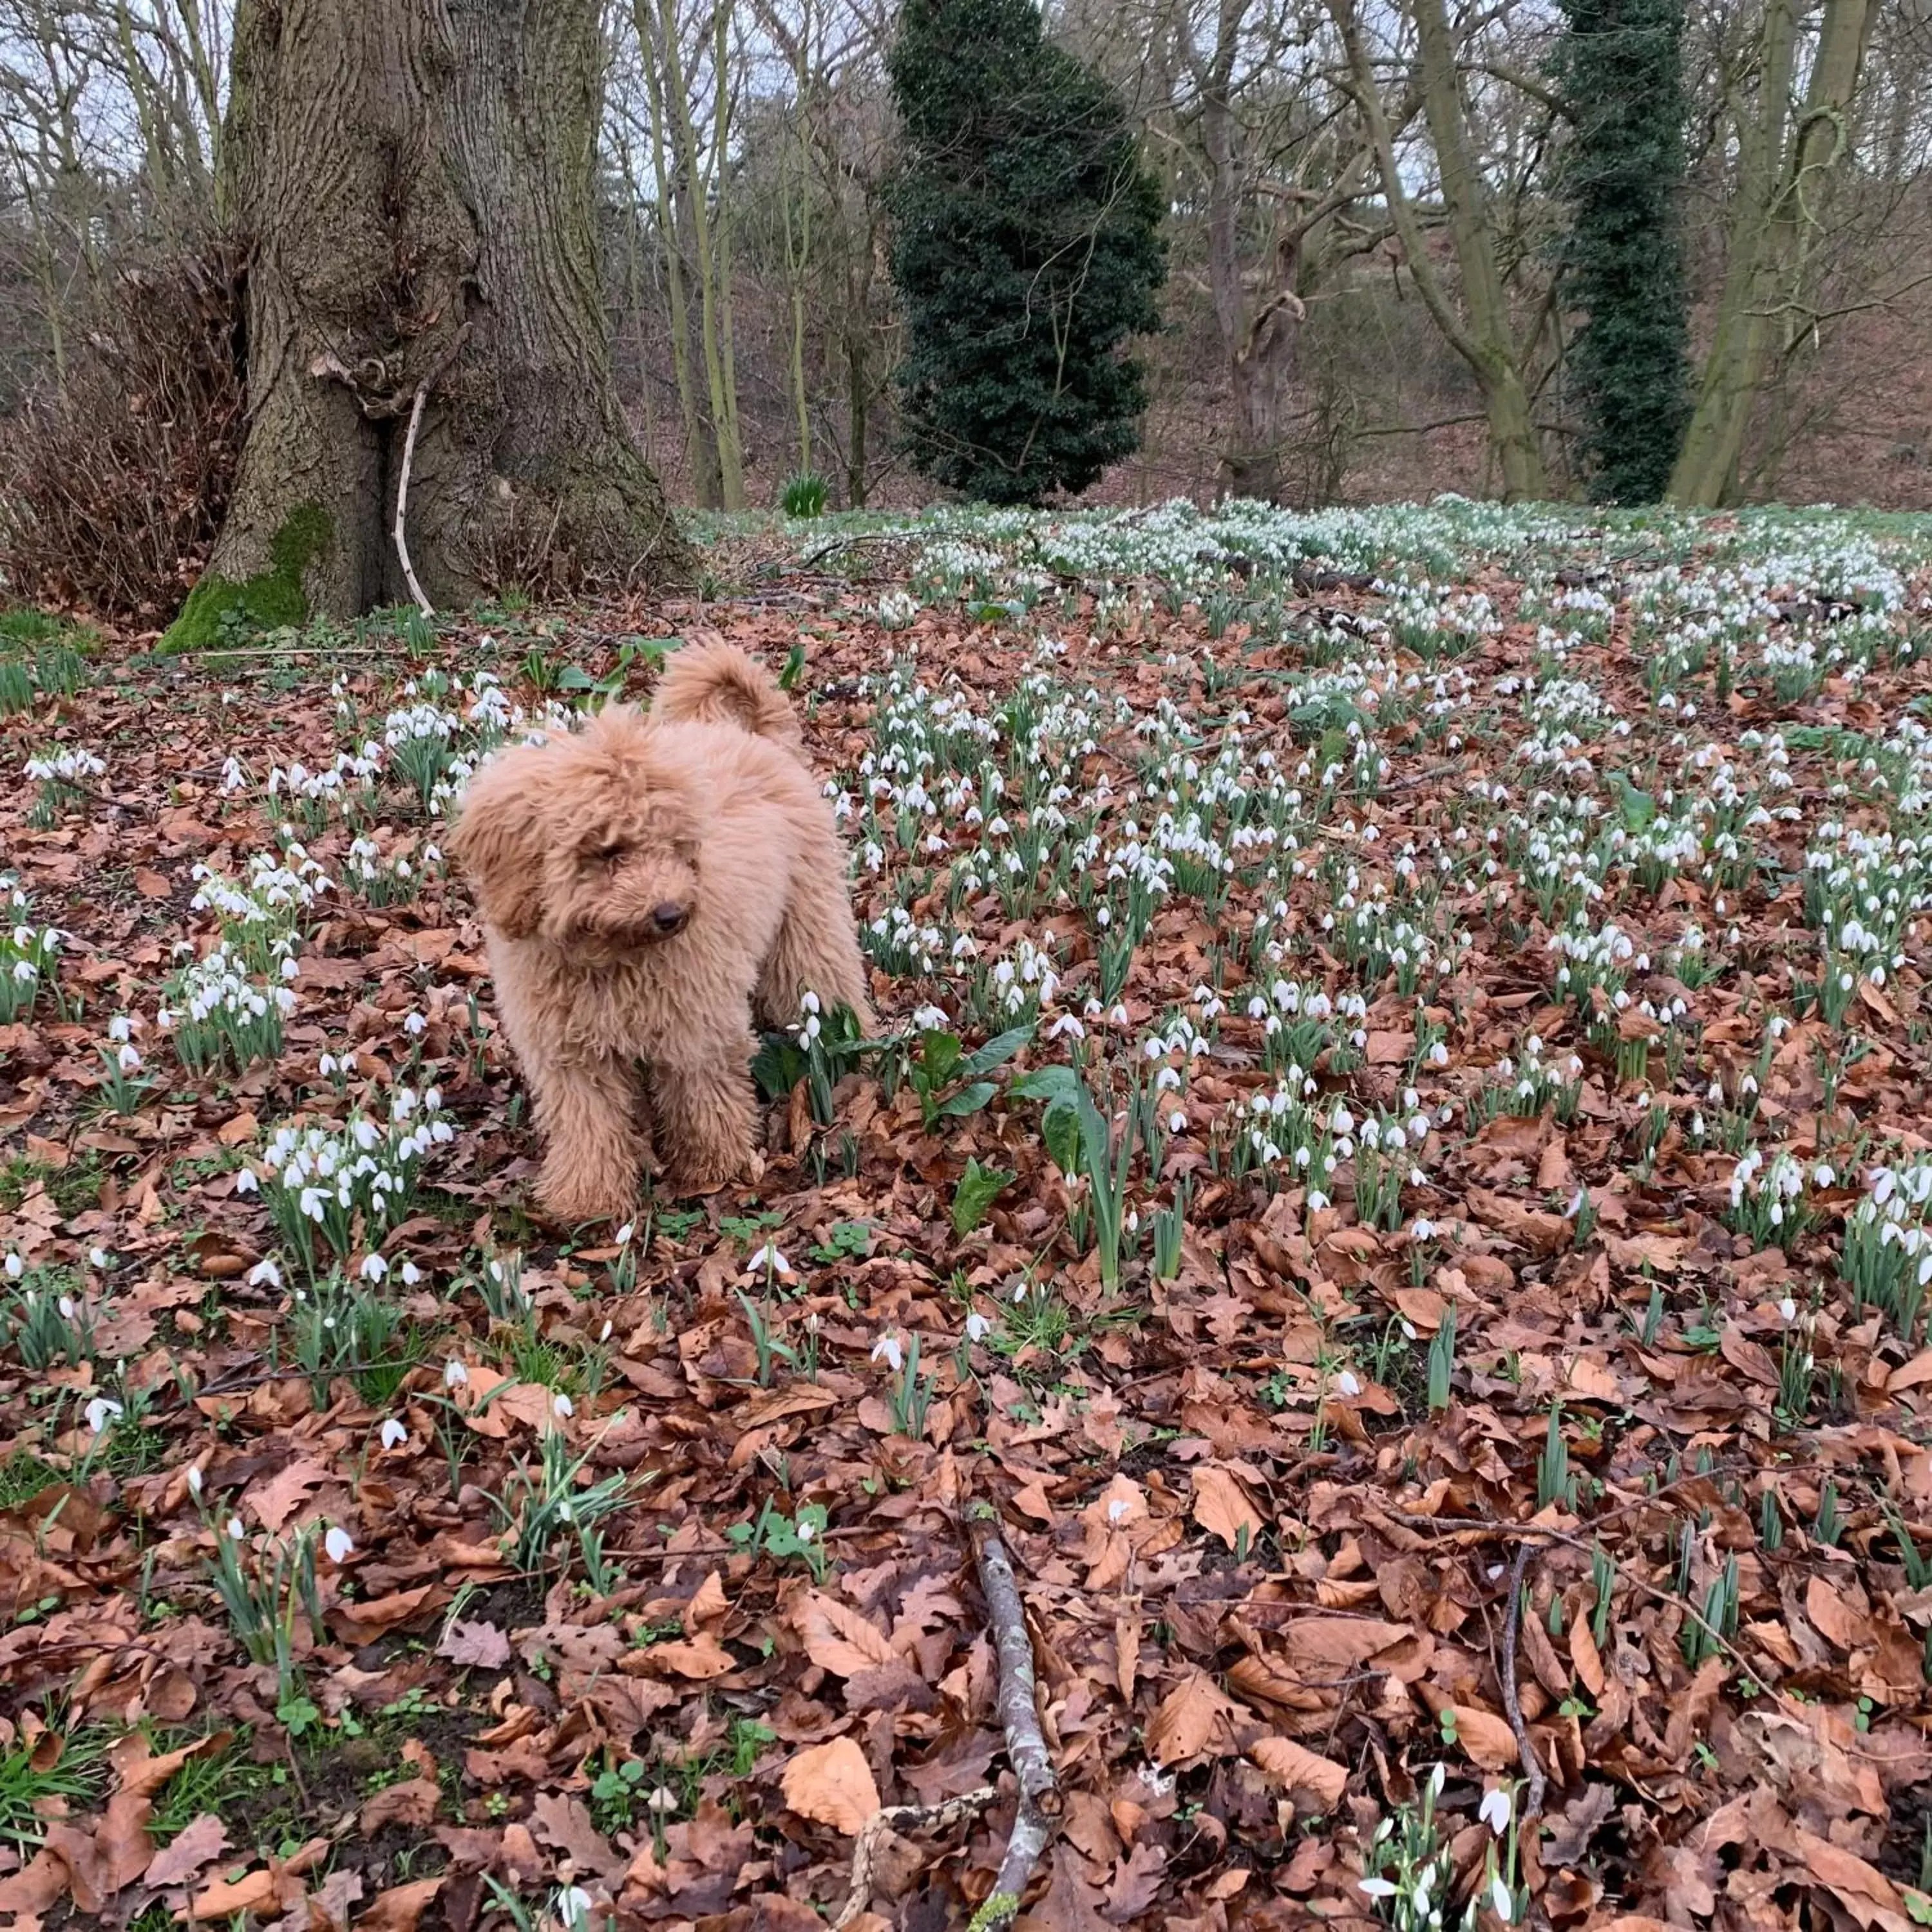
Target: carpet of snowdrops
1396	1162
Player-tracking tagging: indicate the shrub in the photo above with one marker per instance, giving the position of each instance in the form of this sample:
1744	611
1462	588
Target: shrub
1026	250
113	487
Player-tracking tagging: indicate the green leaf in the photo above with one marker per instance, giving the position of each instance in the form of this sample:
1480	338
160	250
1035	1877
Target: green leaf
778	1066
997	1051
976	1190
1637	808
939	1054
968	1099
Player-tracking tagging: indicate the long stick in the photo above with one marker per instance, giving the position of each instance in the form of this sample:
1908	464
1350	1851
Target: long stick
403	498
1512	1620
1040	1803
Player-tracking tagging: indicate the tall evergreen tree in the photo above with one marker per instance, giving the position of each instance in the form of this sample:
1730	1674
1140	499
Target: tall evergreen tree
1620	66
1026	249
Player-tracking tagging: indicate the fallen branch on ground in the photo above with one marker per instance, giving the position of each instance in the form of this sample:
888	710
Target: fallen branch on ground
1512	1623
1019	1717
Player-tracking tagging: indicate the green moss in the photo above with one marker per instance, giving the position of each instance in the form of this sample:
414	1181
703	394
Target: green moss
271	601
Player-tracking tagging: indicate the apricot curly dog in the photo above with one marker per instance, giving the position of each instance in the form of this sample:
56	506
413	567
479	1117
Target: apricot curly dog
646	885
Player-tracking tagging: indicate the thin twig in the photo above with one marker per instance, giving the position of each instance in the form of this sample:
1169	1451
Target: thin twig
1512	1617
1040	1803
403	498
894	1817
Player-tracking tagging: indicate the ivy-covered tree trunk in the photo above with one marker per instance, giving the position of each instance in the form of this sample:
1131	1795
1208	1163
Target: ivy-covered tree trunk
416	178
1621	67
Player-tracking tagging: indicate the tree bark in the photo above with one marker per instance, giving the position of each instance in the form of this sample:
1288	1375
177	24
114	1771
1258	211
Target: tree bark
1765	277
1512	429
416	177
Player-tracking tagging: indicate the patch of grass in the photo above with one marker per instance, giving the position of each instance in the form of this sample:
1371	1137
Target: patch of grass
79	1774
73	1189
23	1476
219	1782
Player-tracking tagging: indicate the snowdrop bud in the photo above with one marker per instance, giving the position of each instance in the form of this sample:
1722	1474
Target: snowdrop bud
338	1543
194	1481
887	1349
1494	1811
977	1326
563	1407
394	1433
235	1530
99	1258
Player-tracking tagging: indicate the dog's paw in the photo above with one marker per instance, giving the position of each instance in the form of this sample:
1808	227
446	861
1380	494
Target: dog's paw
568	1203
693	1177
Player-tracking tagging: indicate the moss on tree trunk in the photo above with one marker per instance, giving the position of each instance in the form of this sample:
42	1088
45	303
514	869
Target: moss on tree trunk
417	180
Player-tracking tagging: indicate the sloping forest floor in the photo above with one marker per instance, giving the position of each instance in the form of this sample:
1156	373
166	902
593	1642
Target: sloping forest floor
1446	1352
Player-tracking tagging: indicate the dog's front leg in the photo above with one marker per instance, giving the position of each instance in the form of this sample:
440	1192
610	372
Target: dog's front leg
587	1113
704	1114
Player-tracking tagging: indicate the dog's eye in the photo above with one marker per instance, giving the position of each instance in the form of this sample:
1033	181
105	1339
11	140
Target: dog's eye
608	855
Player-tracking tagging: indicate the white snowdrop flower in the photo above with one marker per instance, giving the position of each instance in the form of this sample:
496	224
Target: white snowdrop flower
887	1349
128	1060
99	1258
68	1308
374	1267
395	1434
562	1406
410	1273
194	1480
1438	1778
265	1273
624	1235
1176	1122
1494	1811
930	1019
15	1268
1823	1176
768	1259
338	1543
455	1375
415	1025
1066	1025
1348	1382
1787	1309
235	1530
573	1905
1376	1888
100	1411
604	1334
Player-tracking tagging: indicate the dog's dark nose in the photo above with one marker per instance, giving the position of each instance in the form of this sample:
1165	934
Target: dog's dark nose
668	918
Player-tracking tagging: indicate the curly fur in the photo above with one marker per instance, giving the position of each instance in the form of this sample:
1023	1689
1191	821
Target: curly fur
646	886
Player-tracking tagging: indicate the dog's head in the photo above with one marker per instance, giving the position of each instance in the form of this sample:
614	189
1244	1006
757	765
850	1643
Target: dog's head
581	842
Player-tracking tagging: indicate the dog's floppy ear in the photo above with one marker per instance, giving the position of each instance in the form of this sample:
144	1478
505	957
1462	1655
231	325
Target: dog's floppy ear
498	840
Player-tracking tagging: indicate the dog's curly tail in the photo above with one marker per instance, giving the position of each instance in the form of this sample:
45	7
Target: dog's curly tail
709	682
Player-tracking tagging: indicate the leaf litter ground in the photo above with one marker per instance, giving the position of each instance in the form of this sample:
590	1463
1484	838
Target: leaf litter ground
1398	1172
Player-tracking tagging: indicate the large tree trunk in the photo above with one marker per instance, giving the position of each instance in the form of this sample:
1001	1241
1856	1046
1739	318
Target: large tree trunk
416	177
1764	279
1485	341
